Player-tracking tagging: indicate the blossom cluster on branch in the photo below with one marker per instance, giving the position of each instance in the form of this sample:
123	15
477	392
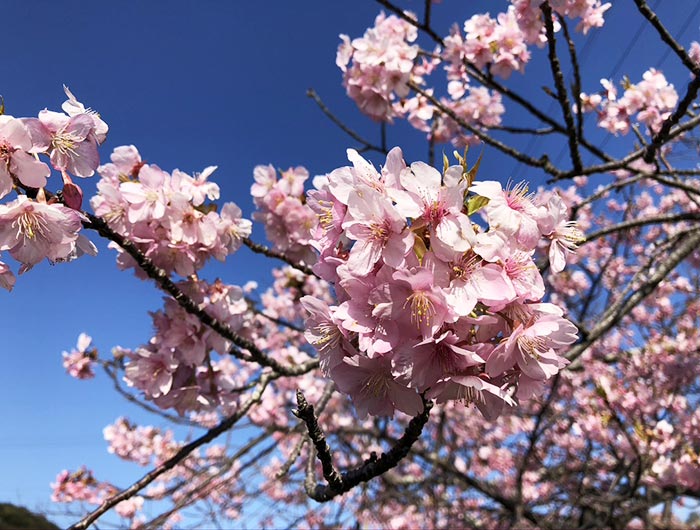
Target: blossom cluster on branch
35	226
428	300
382	68
404	284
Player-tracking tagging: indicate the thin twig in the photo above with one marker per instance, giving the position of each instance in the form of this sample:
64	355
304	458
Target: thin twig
576	85
183	453
366	145
542	163
522	130
562	94
266	251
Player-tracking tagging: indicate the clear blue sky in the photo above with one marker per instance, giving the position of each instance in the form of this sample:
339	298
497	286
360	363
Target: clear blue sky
193	84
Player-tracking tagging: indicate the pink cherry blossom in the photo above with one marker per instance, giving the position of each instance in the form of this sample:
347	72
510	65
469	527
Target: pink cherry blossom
32	231
80	361
374	387
15	158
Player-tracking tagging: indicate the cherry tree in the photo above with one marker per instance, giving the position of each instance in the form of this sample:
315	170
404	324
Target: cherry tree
436	348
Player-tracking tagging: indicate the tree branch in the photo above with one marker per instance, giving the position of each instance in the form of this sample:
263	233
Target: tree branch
185	451
339	483
562	94
653	19
268	252
542	163
166	284
689	243
366	144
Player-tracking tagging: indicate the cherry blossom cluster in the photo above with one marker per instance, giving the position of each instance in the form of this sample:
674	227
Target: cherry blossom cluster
280	203
428	300
177	368
694	52
675	465
38	224
475	105
377	66
498	44
80	485
166	214
529	16
652	100
144	445
79	363
139	444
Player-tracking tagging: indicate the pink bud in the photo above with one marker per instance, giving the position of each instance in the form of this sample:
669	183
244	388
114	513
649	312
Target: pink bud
72	196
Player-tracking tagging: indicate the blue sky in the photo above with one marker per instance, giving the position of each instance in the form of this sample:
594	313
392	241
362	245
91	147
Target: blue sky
194	84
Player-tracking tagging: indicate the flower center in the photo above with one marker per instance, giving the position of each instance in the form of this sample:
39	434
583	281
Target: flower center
517	197
422	308
376	385
64	143
5	151
329	336
30	225
533	346
379	232
325	218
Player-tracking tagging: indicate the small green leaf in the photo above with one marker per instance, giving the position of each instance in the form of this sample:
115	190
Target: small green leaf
2	105
476	203
419	248
471	174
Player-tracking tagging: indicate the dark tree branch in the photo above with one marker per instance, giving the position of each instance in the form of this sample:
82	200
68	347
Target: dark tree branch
305	412
664	133
562	94
635	223
166	284
542	163
366	145
576	85
339	483
522	130
267	251
653	19
183	453
623	163
427	13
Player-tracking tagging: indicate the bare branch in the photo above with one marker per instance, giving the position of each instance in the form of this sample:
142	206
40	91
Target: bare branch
653	19
562	94
339	483
366	144
267	251
183	453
